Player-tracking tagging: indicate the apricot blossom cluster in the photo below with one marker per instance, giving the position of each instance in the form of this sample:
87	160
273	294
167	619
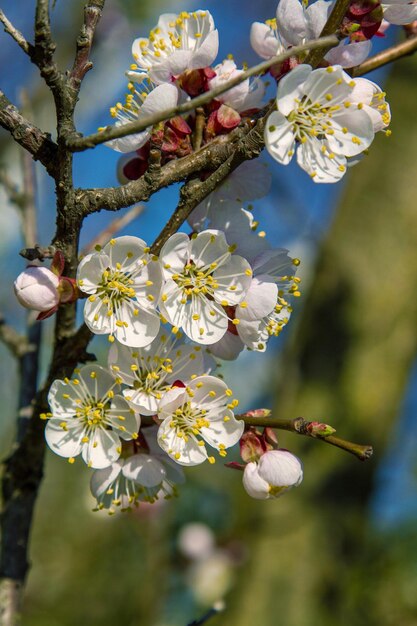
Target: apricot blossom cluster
223	288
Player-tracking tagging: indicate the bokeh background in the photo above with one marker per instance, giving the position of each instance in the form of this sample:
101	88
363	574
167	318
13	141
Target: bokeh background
341	549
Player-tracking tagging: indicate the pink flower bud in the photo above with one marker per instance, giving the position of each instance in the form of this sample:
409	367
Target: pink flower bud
276	472
37	288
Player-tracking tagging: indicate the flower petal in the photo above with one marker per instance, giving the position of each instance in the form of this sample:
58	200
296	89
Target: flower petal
260	299
102	450
279	138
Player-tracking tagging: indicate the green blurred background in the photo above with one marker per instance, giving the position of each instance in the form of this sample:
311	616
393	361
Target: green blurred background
341	549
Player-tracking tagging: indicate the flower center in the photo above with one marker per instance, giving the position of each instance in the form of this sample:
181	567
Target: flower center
188	421
195	281
93	414
115	286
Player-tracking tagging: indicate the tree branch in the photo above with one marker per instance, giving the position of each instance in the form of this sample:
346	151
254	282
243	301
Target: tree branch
331	26
82	64
112	132
301	427
16	34
386	56
29	136
17	344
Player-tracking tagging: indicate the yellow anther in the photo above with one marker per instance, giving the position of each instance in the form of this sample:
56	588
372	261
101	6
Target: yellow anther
71	460
211	459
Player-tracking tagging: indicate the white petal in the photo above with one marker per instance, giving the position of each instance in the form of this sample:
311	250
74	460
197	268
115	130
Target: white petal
263	40
96	380
66	443
234	279
171	306
126	251
250	181
209	392
254	485
208	247
319	166
147	284
207	52
172	400
144	403
105	452
349	55
95	317
159	99
141	329
175	254
280	468
144	469
90	271
260	299
228	348
291	21
188	453
323	82
359	135
274	262
290	87
279	138
102	479
130	424
400	12
316	15
61	406
204	322
130	143
221	432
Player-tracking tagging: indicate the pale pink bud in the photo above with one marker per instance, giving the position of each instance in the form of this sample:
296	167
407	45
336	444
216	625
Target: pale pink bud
276	472
37	288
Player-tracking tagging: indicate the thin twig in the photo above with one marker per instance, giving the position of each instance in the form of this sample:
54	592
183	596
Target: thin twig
15	33
112	132
386	56
17	344
300	426
331	26
218	607
82	64
28	208
114	227
29	136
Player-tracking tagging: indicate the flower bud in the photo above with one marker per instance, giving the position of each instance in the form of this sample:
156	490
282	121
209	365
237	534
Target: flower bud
277	471
37	288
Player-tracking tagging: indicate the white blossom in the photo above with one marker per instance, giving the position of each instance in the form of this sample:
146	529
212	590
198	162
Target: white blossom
88	418
202	277
276	472
149	372
123	282
37	288
248	95
266	309
142	477
296	23
372	99
195	415
187	41
144	98
319	117
400	11
250	181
